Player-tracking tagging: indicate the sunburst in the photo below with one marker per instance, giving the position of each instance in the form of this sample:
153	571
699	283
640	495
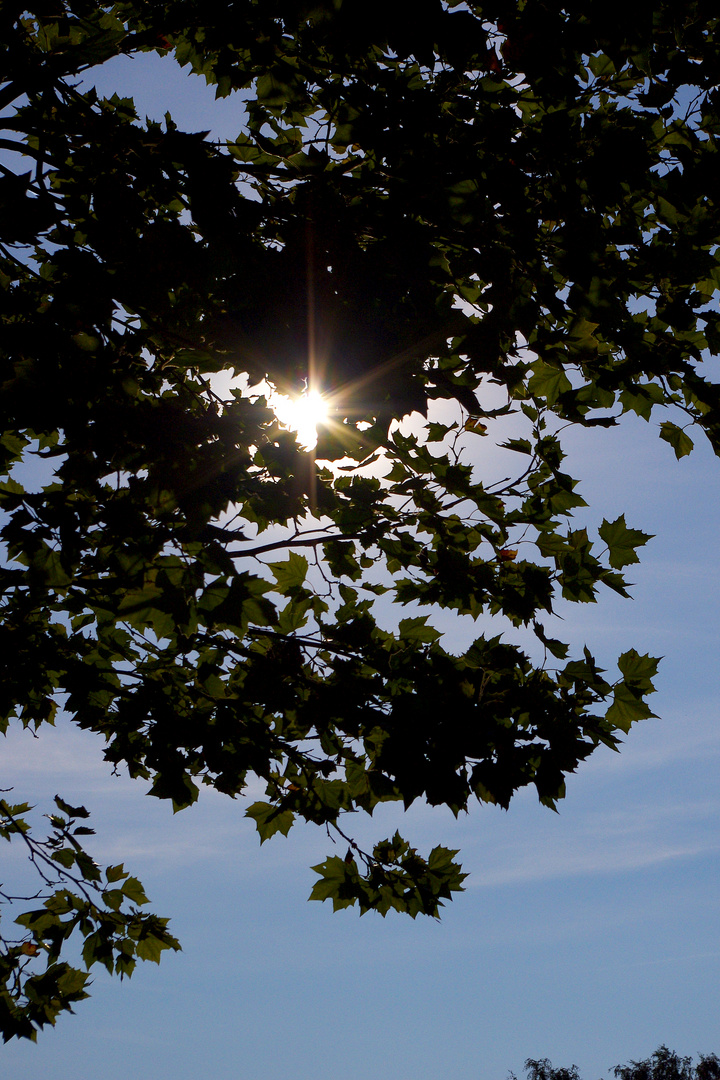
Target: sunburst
302	414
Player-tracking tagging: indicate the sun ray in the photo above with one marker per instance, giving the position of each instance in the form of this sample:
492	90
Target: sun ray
302	414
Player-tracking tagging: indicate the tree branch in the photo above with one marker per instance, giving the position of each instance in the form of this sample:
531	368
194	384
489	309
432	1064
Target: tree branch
280	544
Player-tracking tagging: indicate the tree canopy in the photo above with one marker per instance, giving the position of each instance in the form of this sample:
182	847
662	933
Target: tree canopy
663	1064
496	218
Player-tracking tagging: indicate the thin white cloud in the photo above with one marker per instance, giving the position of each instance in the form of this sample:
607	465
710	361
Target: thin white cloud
575	860
620	842
656	744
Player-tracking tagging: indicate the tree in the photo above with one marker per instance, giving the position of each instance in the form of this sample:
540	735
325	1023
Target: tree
502	207
541	1069
664	1064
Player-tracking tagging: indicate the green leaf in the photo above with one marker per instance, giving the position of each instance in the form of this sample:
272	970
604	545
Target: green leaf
417	630
338	882
627	708
151	946
642	399
601	65
640	670
270	819
548	382
134	891
557	648
681	443
622	542
71	811
66	857
522	446
628	696
115	873
290	574
294	615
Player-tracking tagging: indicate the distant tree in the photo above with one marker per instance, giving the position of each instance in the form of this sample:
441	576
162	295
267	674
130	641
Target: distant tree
541	1069
507	207
664	1064
667	1065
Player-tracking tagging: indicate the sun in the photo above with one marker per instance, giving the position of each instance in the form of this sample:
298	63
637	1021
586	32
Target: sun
302	414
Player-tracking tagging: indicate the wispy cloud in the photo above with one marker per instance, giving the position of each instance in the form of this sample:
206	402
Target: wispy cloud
625	841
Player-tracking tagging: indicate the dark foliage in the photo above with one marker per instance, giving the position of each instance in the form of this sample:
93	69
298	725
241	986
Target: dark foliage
507	208
664	1064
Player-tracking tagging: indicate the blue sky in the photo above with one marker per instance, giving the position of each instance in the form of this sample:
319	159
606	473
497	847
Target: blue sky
589	936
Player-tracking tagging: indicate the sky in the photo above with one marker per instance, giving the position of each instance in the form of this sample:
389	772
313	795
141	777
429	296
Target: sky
589	937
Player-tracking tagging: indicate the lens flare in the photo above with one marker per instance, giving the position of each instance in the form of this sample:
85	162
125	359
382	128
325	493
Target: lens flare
302	414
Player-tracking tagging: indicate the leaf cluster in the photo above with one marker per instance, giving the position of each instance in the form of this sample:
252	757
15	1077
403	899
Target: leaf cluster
504	208
79	901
